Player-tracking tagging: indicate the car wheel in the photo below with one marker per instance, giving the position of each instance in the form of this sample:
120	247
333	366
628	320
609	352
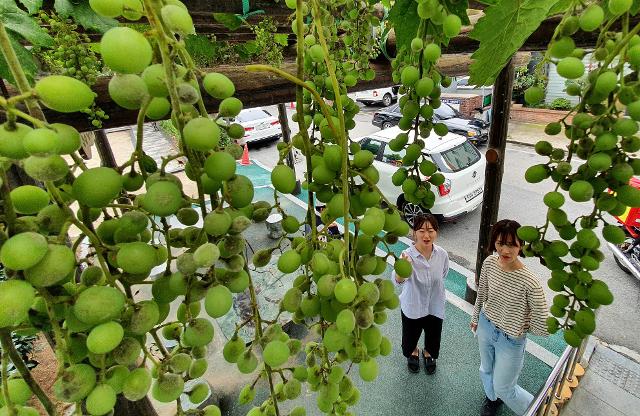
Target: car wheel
411	211
621	265
387	99
386	125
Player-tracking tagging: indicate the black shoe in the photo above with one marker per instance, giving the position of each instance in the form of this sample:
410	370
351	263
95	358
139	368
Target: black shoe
490	407
413	363
429	364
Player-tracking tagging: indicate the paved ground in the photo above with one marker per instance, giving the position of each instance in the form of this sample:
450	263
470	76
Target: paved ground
610	387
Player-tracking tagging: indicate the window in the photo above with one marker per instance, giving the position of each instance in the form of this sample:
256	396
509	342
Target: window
252	114
371	145
457	158
391	157
445	112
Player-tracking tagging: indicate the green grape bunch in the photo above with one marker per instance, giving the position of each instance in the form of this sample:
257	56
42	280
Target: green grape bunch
603	139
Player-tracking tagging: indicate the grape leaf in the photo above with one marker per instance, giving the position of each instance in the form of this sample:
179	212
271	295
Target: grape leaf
458	7
32	5
560	7
18	21
635	7
27	62
405	21
229	20
84	15
502	31
281	39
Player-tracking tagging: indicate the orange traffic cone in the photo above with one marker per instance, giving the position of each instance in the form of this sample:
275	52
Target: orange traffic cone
245	156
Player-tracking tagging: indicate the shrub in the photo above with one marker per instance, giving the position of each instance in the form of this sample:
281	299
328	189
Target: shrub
560	104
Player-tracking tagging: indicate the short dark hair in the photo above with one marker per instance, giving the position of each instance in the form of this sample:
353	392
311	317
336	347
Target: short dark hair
506	229
420	219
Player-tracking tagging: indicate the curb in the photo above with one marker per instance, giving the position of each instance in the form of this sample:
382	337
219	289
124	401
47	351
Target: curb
521	143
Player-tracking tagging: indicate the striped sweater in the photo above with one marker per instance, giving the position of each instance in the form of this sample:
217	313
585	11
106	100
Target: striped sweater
514	301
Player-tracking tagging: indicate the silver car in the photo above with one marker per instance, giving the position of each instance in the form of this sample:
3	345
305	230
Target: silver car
259	125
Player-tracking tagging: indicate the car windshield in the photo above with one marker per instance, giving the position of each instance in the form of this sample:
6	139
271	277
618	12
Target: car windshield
457	158
445	112
393	109
252	114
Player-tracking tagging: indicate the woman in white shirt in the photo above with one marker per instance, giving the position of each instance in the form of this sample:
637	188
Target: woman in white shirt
422	300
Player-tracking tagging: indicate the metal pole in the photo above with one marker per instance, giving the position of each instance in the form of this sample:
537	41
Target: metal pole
501	107
104	149
286	137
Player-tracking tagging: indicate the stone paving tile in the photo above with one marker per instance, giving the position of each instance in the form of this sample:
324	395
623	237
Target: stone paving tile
157	145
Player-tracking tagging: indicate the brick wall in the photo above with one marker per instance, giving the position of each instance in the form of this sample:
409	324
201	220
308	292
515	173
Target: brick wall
466	104
536	115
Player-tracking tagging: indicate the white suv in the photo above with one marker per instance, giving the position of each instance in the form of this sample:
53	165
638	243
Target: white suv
457	159
386	96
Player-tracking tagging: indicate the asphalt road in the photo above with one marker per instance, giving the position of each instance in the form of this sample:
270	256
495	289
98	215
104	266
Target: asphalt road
618	324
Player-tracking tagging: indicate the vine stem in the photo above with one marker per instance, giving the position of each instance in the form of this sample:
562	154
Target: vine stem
341	134
16	359
18	74
5	383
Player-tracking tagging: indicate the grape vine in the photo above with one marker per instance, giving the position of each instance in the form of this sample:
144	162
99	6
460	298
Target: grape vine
112	341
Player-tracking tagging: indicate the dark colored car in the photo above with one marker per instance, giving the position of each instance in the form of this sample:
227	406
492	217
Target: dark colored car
476	131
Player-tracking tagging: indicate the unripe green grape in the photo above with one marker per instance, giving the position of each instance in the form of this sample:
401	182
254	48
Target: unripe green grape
41	142
599	161
211	410
346	321
125	50
625	127
562	47
218	301
317	53
177	19
536	173
591	18
291	300
431	52
64	94
451	25
132	10
570	68
116	376
101	400
127	352
16	296
11	141
233	349
86	191
68	138
276	353
29	199
163	198
201	133
410	75
628	195
368	370
128	91
345	290
247	362
220	166
416	44
543	148
283	179
553	199
199	332
533	95
107	8
239	190
56	265
105	337
167	388
75	383
617	7
289	261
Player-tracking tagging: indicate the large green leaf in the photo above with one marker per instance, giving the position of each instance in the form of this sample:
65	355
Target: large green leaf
502	31
25	58
32	5
229	20
560	7
405	21
84	15
458	7
18	21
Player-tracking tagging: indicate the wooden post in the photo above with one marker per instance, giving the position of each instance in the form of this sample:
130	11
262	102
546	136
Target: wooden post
500	109
286	137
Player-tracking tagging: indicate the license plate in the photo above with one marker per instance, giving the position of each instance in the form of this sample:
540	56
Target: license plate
472	195
262	126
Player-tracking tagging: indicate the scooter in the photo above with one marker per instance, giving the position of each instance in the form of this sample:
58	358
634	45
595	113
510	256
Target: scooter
627	254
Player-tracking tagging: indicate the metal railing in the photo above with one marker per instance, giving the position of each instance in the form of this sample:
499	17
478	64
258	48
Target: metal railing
561	373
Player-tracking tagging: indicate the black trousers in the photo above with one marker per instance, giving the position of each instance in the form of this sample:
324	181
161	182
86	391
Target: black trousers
413	328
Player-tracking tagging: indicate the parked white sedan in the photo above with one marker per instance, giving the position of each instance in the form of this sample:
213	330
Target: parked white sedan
259	125
456	158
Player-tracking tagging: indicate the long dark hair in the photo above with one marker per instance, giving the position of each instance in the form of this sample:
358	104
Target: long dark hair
508	230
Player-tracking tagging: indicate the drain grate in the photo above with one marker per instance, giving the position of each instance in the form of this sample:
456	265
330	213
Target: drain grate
617	369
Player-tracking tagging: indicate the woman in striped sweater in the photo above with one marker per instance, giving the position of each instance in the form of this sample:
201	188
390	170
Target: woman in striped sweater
509	304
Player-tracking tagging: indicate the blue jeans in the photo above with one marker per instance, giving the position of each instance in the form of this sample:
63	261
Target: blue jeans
501	360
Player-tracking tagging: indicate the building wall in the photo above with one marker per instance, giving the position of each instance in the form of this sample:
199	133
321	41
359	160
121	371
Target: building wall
466	104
